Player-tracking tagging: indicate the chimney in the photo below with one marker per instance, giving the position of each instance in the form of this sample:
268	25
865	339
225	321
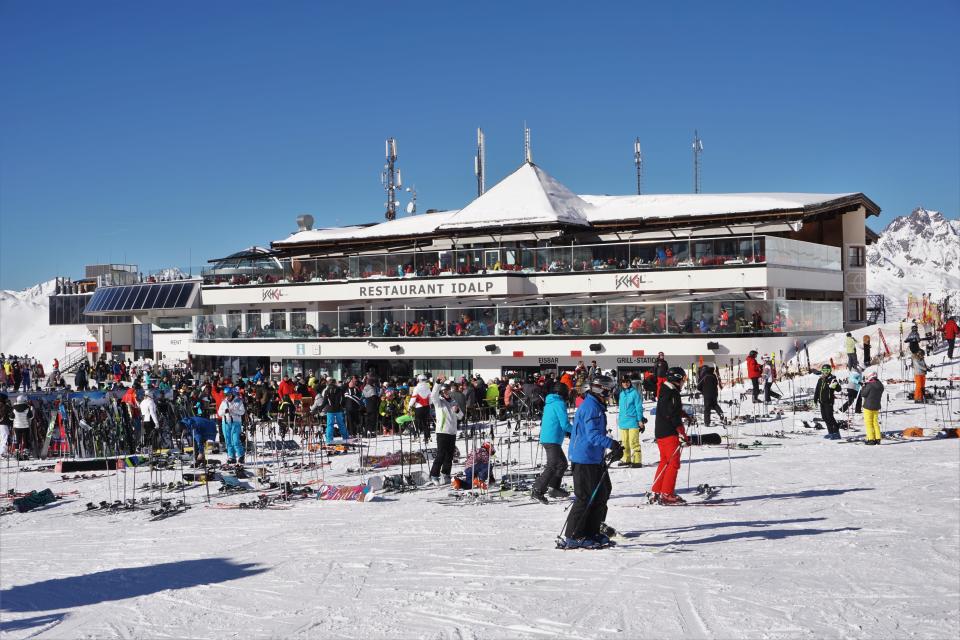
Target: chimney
305	222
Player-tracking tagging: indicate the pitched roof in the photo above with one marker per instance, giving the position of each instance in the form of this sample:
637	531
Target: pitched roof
528	196
613	208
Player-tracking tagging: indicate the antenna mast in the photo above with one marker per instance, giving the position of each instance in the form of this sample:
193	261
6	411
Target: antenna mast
480	164
697	150
390	178
638	160
527	152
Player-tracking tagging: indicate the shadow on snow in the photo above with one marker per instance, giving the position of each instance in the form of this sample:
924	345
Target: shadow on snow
119	584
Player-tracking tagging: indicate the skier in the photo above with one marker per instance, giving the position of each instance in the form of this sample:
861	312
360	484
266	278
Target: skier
476	469
554	426
22	417
660	367
913	339
631	424
950	331
331	403
201	431
866	351
421	407
709	385
148	413
920	371
872	394
669	431
753	373
769	377
591	483
231	411
6	424
850	346
823	395
854	381
448	415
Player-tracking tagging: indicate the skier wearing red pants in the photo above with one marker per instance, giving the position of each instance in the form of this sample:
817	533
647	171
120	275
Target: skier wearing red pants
668	433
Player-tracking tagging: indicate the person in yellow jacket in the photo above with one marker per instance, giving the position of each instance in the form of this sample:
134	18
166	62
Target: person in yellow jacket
493	395
850	346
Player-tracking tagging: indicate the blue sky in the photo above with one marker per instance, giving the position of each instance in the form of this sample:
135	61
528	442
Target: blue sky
160	132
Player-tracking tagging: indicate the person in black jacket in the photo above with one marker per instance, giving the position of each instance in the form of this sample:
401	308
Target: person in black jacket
669	431
660	369
823	395
709	385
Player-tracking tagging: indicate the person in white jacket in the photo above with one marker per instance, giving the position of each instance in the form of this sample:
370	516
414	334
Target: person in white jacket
448	416
148	413
231	412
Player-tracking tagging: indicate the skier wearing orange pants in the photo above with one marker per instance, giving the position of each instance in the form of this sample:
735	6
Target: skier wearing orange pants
669	431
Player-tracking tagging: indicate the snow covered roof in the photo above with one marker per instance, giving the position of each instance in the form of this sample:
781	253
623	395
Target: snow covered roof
528	196
610	208
407	226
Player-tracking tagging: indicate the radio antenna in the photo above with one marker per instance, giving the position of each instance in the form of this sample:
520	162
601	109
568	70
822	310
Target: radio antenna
638	160
527	152
480	164
390	178
697	151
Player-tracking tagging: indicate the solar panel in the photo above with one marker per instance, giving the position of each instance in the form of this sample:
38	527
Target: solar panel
141	296
125	295
183	296
163	300
151	297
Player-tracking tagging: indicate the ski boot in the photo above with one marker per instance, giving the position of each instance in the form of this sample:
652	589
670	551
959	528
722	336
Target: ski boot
671	499
539	497
559	492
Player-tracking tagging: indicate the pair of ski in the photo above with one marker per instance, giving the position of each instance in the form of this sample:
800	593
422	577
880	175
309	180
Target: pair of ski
168	510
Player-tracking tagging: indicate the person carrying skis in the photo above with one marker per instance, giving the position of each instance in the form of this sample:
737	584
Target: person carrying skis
950	331
854	381
669	432
850	346
660	367
769	378
823	396
709	385
554	426
631	424
920	371
591	482
231	412
448	416
872	394
753	373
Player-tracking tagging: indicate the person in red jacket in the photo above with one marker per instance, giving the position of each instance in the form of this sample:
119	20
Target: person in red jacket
950	331
286	387
754	372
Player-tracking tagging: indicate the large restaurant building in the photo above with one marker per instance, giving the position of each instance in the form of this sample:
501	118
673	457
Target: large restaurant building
532	277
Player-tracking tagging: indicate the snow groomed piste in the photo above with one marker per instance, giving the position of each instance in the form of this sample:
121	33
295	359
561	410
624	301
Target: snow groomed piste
784	534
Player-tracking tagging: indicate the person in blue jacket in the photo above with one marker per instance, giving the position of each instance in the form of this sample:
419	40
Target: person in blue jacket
201	430
591	484
554	427
631	423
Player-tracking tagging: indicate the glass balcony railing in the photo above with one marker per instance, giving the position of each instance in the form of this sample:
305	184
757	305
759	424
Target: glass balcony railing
612	319
611	256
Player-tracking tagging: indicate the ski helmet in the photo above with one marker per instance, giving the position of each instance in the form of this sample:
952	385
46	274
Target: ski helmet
21	399
871	376
676	375
602	385
753	353
826	368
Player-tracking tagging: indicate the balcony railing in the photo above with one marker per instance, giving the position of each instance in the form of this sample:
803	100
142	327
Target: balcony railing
611	256
662	318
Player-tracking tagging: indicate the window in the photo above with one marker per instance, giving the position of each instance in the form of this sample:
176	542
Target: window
856	310
856	256
278	320
254	322
298	319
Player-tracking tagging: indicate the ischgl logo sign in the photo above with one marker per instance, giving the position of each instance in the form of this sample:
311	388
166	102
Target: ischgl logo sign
271	294
629	281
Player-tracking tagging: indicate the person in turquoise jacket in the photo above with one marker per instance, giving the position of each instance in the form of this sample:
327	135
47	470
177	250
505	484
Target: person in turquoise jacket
554	426
631	424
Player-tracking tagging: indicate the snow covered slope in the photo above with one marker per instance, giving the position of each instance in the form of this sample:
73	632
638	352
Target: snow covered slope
813	539
25	328
917	254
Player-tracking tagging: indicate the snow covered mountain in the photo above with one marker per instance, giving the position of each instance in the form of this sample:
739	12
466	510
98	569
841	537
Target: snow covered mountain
25	328
917	254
